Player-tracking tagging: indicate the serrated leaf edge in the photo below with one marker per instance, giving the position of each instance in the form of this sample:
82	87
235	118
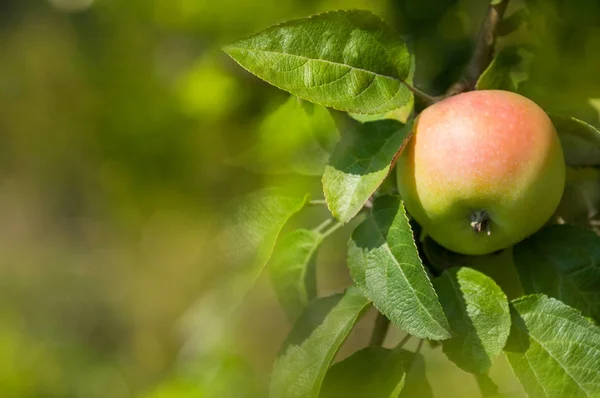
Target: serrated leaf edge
226	48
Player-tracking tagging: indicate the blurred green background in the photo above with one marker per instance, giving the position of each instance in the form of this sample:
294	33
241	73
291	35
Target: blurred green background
117	118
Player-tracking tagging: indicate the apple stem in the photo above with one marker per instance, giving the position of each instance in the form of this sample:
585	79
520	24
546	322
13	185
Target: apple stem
480	221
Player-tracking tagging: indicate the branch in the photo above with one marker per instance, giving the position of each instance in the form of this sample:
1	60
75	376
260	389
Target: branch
382	323
484	49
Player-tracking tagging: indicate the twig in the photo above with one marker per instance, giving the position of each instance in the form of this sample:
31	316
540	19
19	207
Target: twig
424	97
323	225
382	324
403	341
418	350
317	202
484	49
331	230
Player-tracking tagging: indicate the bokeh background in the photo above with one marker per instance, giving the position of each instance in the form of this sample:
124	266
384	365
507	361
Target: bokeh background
117	118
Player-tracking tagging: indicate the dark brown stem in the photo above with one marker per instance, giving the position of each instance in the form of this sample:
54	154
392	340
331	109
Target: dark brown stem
382	324
484	49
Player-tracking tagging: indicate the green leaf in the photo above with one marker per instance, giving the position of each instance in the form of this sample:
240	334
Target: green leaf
291	269
507	70
347	60
249	235
554	351
297	138
562	261
477	310
401	114
487	386
385	264
416	383
580	141
359	163
243	247
373	372
377	372
499	266
580	203
313	342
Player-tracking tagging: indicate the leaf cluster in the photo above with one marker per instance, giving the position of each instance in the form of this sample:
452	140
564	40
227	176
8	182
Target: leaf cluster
544	320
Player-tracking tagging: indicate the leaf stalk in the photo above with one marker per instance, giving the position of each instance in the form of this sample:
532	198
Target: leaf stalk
382	324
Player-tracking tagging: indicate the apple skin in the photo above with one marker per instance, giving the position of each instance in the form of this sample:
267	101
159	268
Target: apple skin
486	151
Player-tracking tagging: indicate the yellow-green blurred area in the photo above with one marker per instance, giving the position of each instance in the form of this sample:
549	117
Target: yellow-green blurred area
117	118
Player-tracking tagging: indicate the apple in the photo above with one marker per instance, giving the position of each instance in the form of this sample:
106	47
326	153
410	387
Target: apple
484	170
